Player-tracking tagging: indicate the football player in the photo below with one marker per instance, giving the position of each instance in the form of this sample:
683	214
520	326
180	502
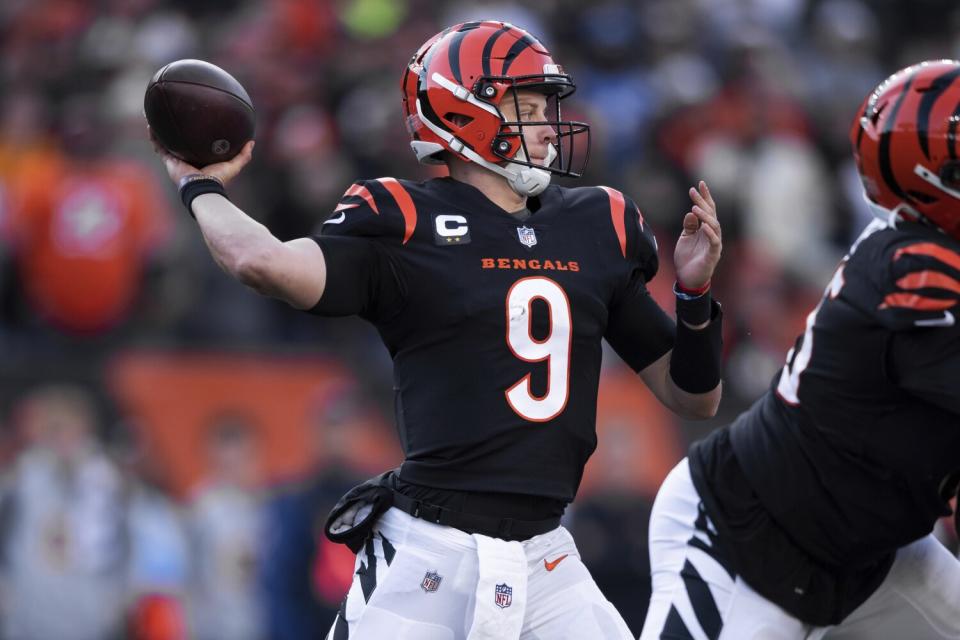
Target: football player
811	515
492	290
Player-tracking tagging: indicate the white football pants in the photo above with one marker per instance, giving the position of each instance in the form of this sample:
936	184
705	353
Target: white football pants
420	581
695	598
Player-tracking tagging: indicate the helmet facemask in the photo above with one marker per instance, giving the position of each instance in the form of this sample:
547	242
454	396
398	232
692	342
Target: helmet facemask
565	156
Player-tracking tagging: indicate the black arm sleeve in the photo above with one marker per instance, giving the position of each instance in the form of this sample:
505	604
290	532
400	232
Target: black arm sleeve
362	279
638	329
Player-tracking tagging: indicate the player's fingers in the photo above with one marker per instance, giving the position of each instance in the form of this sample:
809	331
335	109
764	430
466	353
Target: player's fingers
707	219
241	159
690	223
712	235
705	192
227	171
698	199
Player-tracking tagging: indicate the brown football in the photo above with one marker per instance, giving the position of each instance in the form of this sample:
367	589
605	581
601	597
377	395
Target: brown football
199	112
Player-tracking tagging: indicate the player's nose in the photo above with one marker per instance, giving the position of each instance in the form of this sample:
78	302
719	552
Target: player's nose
546	134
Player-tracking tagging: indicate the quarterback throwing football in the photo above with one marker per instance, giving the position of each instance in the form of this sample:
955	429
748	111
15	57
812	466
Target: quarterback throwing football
492	291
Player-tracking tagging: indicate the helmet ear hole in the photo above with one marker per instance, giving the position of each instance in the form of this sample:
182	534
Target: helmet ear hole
458	119
950	174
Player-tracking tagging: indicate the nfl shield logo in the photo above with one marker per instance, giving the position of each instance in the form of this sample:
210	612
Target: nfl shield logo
503	596
431	581
528	237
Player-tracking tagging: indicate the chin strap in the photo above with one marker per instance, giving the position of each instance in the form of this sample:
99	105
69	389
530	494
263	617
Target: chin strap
524	180
890	217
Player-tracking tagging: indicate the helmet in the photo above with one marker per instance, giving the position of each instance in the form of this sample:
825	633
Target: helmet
453	89
905	145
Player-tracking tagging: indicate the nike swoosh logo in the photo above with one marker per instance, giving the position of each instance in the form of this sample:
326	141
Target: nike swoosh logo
336	219
550	566
946	321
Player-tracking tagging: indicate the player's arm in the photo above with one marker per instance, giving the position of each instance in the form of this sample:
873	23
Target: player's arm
923	311
688	378
661	380
294	271
679	363
925	364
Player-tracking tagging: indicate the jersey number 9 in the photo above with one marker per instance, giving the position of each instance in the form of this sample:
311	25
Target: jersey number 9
554	348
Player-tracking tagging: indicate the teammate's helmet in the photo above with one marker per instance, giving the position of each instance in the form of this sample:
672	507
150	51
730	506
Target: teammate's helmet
905	145
452	91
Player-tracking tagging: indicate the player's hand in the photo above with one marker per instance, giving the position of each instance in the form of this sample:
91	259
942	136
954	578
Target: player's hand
700	244
225	171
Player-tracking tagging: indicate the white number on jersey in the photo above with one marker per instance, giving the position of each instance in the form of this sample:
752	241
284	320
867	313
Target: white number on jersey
789	386
555	348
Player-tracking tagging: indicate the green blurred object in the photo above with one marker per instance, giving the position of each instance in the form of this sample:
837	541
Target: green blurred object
373	19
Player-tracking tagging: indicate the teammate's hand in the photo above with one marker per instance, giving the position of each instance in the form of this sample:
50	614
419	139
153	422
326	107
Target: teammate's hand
225	171
700	244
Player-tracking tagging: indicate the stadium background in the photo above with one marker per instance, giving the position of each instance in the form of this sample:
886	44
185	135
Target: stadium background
170	441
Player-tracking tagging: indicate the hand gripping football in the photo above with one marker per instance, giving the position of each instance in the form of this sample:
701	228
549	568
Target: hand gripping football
199	112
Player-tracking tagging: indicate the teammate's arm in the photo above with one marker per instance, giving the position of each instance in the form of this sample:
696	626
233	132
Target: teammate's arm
922	311
294	271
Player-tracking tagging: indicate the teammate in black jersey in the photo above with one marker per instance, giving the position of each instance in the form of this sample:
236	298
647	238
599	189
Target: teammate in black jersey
492	291
810	516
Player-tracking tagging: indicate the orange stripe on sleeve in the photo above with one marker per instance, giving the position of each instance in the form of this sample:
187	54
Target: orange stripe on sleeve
363	192
616	215
405	202
915	301
929	279
930	249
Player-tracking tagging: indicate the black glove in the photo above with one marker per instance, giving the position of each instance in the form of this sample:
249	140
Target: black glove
351	520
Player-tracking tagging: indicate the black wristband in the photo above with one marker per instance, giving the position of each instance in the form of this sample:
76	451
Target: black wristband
692	309
196	185
695	361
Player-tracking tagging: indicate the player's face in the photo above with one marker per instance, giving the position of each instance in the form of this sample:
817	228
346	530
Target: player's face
531	106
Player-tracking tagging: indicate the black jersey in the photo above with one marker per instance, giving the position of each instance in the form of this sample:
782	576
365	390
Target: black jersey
850	448
495	325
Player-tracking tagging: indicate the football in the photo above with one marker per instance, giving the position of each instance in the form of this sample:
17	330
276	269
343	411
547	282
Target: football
199	112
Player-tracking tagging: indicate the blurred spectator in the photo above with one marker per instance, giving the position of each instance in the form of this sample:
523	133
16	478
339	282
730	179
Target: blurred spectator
612	83
63	541
158	566
83	226
157	616
305	575
225	528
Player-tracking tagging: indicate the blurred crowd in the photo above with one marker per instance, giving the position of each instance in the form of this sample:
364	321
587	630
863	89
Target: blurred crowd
102	537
